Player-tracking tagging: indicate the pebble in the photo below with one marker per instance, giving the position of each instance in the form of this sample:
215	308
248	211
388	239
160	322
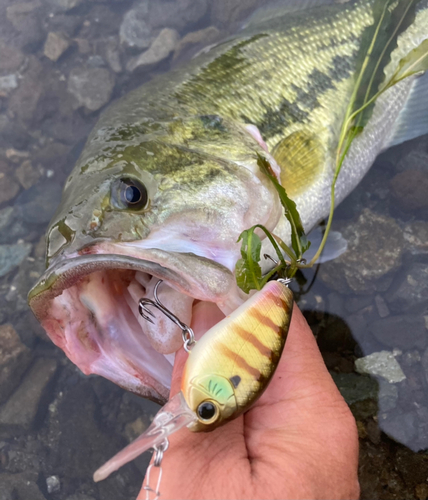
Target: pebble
53	484
9	188
64	5
424	364
134	31
7	84
416	237
177	14
401	428
228	11
27	175
382	364
410	189
12	226
15	358
92	87
21	408
159	50
402	332
11	58
388	396
375	246
409	291
24	17
56	44
381	306
21	486
11	256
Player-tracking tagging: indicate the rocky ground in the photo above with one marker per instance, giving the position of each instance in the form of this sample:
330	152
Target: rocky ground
61	63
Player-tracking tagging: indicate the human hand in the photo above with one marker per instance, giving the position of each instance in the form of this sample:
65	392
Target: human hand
299	440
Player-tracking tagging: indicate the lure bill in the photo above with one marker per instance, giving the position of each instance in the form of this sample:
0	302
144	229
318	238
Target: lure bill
227	370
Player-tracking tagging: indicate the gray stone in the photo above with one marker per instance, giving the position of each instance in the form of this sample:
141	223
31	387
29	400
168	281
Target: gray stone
424	363
354	387
382	364
11	58
375	245
381	306
56	44
64	5
416	237
159	50
11	225
15	358
11	256
134	30
410	188
39	203
9	188
409	291
24	17
20	411
8	83
92	87
228	11
402	332
195	41
27	174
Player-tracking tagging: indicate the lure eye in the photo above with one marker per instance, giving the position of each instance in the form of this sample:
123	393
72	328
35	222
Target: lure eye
127	193
207	411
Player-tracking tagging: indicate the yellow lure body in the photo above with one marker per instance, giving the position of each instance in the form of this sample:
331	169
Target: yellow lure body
231	365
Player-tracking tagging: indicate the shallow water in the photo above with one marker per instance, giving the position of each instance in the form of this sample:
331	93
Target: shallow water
61	63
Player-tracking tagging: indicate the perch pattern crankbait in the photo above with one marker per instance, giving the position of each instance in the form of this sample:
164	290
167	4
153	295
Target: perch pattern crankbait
226	372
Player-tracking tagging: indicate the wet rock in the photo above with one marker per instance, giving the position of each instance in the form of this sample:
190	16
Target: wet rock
159	50
112	55
382	364
416	237
27	175
375	245
24	17
15	358
409	291
9	188
410	188
64	5
355	387
20	487
11	256
11	58
39	203
373	431
20	411
53	484
7	84
56	44
229	11
23	102
134	30
176	14
92	87
195	41
424	363
402	332
410	358
11	225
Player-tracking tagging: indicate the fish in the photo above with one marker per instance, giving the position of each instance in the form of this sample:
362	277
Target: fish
169	179
227	370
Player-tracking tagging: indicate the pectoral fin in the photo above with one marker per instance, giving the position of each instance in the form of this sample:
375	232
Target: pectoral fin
300	157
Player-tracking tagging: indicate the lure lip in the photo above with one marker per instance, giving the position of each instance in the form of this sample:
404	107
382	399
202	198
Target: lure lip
172	417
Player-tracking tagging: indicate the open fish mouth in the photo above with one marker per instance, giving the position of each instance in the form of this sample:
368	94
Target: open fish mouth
88	305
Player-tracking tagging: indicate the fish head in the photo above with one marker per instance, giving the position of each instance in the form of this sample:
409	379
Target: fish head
212	399
161	200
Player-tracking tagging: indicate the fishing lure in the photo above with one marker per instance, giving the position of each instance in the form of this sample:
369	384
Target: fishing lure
227	370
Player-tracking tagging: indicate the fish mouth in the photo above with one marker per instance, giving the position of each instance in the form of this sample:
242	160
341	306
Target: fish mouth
88	305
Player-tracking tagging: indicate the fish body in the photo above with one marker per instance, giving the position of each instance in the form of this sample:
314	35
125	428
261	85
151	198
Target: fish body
169	179
227	370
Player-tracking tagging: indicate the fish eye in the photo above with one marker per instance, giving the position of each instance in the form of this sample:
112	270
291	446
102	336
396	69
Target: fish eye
207	411
127	193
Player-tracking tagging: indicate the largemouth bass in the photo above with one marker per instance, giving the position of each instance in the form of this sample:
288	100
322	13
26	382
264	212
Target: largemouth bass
169	179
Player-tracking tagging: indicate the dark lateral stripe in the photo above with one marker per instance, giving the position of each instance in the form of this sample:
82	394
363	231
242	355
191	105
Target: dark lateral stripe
264	320
285	305
240	362
250	337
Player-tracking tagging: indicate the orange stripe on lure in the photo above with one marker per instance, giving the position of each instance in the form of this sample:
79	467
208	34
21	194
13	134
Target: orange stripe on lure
227	370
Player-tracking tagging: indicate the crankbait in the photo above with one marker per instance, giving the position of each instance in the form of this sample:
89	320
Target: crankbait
227	370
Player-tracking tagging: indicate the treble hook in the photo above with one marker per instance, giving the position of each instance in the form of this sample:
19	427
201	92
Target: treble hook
186	331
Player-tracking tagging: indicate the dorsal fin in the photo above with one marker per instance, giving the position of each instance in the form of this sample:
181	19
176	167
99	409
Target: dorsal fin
300	157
